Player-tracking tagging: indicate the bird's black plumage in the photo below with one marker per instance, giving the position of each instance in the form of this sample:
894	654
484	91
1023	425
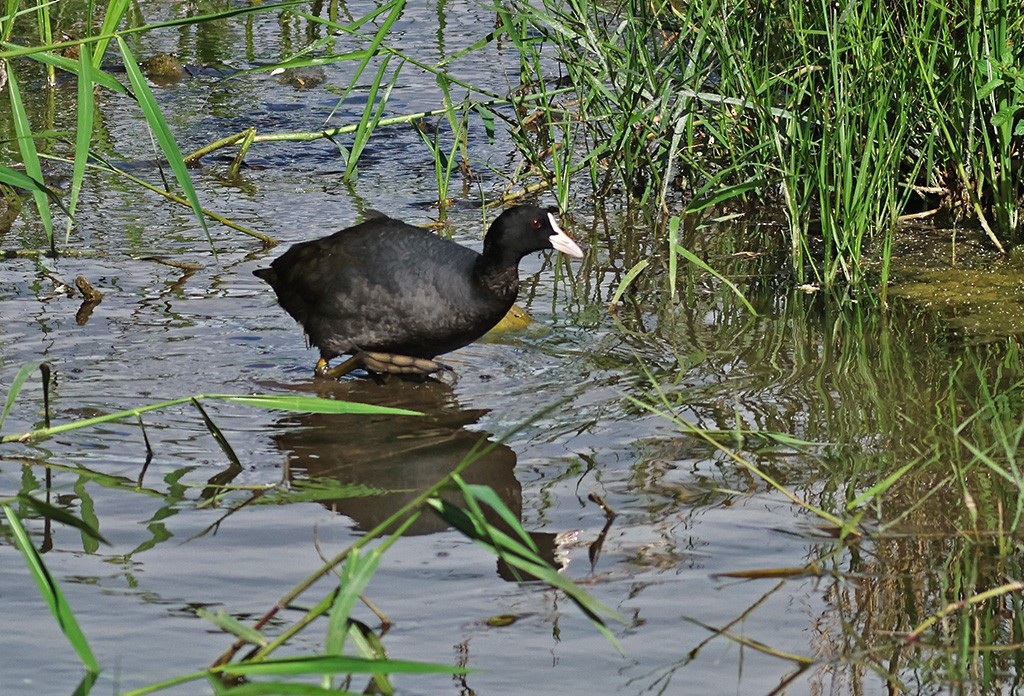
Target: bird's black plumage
387	287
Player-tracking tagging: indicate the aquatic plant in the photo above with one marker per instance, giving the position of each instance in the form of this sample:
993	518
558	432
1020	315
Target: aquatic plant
843	117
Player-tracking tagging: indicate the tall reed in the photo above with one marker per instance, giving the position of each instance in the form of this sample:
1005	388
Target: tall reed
844	117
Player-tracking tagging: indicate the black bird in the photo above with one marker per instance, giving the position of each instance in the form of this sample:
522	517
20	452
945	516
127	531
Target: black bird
394	296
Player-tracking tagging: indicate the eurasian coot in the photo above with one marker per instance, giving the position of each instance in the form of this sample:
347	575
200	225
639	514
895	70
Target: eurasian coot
394	296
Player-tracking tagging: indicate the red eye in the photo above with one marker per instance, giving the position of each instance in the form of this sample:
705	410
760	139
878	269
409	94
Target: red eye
535	224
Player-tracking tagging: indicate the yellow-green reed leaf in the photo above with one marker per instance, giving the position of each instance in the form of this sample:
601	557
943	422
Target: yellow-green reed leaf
63	516
163	134
51	593
229	624
627	280
111	20
310	404
168	683
502	620
697	261
337	664
83	136
16	385
29	156
751	643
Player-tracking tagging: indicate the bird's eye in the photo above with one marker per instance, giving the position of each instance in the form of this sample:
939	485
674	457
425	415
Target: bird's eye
535	224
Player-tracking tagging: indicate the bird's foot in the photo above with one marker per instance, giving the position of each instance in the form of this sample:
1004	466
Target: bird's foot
393	364
380	363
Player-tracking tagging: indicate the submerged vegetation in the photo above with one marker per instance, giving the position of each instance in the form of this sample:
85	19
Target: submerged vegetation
834	123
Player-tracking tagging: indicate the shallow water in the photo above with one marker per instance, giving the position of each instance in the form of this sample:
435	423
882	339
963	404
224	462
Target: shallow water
848	378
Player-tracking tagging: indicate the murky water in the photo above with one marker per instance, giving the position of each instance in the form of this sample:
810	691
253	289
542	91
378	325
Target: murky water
852	379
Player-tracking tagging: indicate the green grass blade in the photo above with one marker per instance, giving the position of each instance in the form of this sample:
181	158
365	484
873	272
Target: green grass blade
102	39
162	132
303	404
309	404
880	487
69	65
301	62
84	687
476	494
45	27
217	434
51	593
83	137
111	19
16	385
29	155
372	113
88	422
18	179
7	21
355	576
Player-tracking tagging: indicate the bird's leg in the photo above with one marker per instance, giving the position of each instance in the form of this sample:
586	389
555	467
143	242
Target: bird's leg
324	369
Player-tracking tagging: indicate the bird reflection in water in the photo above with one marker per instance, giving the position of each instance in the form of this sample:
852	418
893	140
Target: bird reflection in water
398	457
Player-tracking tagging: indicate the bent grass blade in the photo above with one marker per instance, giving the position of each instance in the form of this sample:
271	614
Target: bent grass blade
51	593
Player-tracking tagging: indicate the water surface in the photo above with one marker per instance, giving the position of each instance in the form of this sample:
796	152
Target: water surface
853	380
